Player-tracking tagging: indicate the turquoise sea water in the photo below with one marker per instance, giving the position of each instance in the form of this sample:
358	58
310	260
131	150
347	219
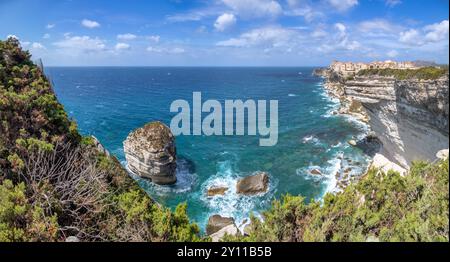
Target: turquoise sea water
110	102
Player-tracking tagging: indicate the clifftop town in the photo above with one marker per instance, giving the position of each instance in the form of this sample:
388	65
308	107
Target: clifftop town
351	68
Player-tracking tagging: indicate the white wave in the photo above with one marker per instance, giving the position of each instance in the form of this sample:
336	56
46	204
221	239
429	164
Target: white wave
292	95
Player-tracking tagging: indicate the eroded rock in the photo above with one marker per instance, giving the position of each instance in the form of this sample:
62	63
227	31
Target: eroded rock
150	153
217	222
254	184
215	190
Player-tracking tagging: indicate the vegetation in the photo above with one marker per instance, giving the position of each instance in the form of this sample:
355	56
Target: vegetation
54	183
425	73
381	207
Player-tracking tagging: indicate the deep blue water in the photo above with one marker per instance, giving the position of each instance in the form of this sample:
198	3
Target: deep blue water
110	102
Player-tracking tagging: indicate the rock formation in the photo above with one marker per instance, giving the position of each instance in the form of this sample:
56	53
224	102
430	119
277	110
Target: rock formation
150	153
254	184
409	117
215	190
217	222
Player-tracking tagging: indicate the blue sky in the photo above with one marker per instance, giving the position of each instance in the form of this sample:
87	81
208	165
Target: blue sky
227	32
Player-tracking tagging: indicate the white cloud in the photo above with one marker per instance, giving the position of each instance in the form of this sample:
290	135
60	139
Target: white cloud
84	44
50	26
266	36
122	46
46	36
224	22
340	41
437	32
37	45
319	33
154	38
163	50
392	53
254	8
392	3
90	23
377	25
12	36
343	5
411	36
126	36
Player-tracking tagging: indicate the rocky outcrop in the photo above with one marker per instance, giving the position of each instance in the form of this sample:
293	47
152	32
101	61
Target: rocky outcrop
230	230
217	222
150	153
409	117
215	190
254	184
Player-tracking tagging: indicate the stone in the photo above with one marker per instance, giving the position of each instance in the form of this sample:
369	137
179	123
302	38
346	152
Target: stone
315	171
442	154
99	146
254	184
72	239
150	153
352	142
231	230
214	191
217	222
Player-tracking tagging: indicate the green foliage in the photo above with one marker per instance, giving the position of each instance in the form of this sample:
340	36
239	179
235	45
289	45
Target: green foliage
425	73
384	207
33	123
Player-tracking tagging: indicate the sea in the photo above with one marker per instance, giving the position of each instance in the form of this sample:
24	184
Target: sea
110	102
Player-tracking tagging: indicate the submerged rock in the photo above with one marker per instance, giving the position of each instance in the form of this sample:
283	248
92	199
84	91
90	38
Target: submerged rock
214	191
150	153
217	222
352	142
315	172
253	184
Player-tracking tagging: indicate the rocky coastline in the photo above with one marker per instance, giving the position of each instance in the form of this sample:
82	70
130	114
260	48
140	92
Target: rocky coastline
409	117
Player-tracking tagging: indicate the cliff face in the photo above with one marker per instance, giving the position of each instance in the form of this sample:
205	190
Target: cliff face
410	117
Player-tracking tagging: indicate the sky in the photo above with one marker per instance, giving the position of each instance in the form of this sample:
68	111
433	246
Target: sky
227	32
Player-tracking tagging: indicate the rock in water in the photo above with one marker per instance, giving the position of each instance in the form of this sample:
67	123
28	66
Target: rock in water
217	222
214	191
150	153
254	184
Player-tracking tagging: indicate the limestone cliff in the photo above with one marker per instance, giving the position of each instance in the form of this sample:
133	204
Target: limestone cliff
409	116
150	153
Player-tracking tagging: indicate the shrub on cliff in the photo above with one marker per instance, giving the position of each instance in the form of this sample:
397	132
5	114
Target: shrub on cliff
425	73
55	183
384	207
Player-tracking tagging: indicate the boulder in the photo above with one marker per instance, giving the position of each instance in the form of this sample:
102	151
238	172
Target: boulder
315	172
442	154
214	191
231	230
217	222
352	142
254	184
150	153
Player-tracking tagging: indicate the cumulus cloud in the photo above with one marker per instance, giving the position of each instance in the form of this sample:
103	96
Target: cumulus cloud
84	44
89	23
377	25
437	32
429	34
343	5
164	50
266	37
154	38
254	8
50	26
37	45
122	46
127	36
340	41
46	36
224	22
392	53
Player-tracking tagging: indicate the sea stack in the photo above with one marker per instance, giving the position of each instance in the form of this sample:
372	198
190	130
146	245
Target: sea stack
150	153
